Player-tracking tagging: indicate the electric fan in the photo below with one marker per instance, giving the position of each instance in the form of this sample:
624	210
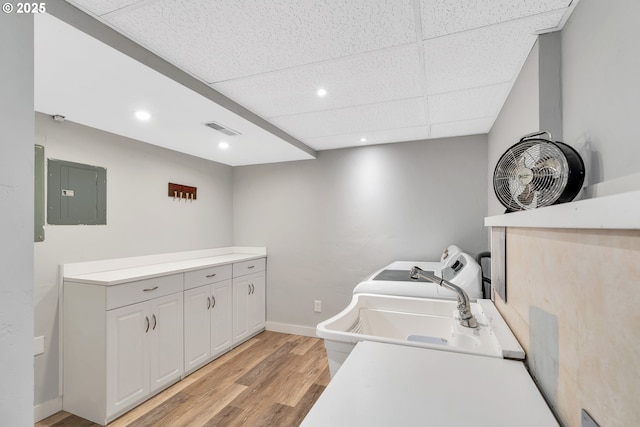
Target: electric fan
537	172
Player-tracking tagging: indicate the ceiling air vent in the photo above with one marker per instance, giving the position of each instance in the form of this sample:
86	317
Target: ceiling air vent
220	128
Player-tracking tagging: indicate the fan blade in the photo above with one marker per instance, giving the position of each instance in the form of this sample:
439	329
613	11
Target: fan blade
550	166
515	188
526	196
531	155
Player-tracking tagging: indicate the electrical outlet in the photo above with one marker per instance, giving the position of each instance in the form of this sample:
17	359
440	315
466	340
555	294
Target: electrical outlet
317	306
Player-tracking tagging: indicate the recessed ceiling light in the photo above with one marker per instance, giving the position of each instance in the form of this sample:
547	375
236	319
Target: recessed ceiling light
223	145
143	115
363	139
321	92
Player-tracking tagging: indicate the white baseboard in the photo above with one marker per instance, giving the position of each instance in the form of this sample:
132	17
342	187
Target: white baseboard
307	331
48	408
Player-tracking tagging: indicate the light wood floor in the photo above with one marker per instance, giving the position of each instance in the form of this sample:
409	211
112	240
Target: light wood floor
271	380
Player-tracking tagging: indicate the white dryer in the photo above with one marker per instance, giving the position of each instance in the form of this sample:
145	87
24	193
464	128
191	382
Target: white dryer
455	266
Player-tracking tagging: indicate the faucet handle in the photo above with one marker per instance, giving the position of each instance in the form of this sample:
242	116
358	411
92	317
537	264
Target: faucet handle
413	273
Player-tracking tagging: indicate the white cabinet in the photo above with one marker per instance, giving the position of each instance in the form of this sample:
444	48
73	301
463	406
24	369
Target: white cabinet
144	350
241	295
257	303
249	299
115	358
127	353
207	316
197	327
124	339
165	341
221	318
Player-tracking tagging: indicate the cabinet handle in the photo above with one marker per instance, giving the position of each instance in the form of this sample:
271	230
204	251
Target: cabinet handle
150	289
214	302
250	267
208	303
249	286
252	288
155	322
210	275
146	318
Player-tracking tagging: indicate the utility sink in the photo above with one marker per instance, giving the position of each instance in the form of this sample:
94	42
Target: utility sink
417	322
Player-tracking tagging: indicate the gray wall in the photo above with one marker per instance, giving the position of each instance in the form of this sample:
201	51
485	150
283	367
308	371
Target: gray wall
330	222
601	92
141	218
16	225
600	63
519	116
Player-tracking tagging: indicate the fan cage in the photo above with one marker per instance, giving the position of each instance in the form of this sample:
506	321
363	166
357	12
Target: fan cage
531	174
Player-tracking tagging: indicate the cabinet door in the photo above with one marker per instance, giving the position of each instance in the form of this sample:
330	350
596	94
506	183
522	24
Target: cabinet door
166	345
241	290
221	320
197	327
127	359
257	310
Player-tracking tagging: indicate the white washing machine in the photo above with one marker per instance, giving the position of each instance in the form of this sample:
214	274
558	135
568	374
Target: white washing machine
455	266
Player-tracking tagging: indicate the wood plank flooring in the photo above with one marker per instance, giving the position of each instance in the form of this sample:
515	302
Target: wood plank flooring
271	380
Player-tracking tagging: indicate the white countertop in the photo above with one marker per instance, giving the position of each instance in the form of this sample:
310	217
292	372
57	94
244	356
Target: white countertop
618	211
117	276
391	385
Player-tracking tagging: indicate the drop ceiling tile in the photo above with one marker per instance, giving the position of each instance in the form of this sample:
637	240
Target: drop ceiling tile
100	7
441	17
465	127
363	118
221	40
467	104
482	57
373	137
372	77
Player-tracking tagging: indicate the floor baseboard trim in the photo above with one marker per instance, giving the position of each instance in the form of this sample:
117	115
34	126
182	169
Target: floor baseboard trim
48	408
287	328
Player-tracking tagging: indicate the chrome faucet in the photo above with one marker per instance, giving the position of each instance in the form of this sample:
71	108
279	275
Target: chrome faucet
466	318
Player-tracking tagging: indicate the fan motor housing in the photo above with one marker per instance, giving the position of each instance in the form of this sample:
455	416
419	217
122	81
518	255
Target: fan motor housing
537	172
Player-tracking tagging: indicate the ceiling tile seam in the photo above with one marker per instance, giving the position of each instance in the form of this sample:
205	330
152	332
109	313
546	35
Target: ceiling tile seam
394	142
421	61
310	64
133	39
80	7
502	23
127	8
110	36
449	92
342	108
358	132
493	116
520	63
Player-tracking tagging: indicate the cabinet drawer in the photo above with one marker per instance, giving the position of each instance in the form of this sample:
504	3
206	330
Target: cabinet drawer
248	267
143	290
193	279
